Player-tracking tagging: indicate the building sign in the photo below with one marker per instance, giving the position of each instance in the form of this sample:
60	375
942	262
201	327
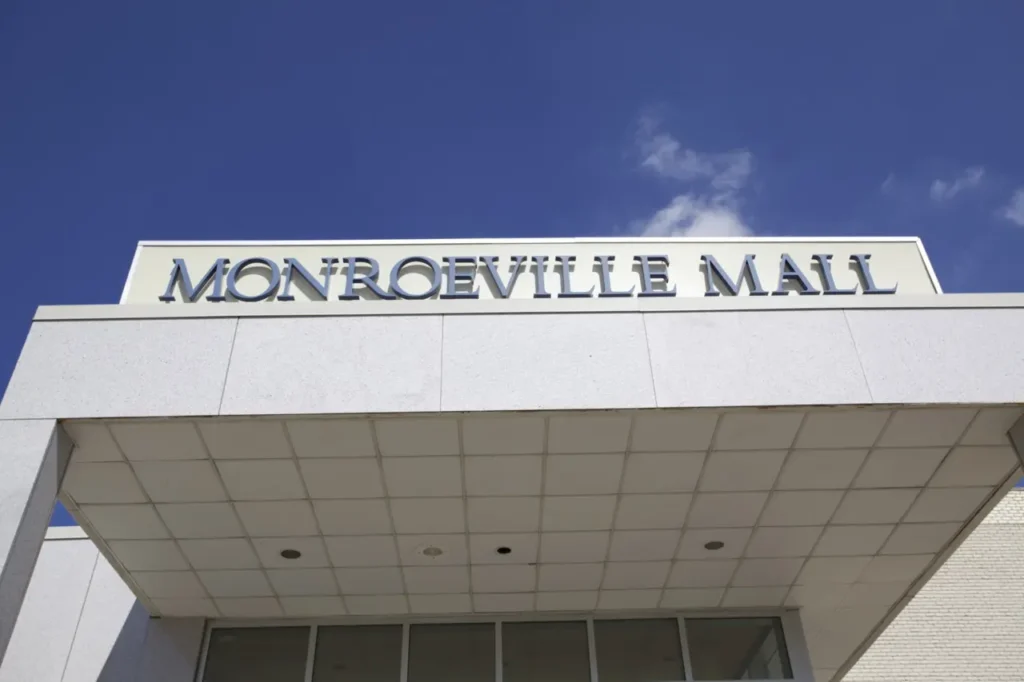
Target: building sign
258	273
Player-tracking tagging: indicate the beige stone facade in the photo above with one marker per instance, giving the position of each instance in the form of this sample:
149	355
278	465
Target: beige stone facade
967	623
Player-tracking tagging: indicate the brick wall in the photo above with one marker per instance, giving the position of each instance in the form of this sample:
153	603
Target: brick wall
968	621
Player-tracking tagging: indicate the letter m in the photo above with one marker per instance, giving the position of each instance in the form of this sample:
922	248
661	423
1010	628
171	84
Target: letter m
179	274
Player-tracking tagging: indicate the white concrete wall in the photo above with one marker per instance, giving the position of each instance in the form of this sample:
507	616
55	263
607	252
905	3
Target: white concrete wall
80	623
968	621
186	367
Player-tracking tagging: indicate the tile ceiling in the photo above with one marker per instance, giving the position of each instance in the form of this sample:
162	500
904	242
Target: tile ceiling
836	511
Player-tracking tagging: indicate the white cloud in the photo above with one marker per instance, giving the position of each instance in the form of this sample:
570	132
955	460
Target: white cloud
1014	211
710	206
888	184
664	155
943	190
688	215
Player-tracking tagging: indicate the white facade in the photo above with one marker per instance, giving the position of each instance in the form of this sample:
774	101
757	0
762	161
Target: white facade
698	443
968	621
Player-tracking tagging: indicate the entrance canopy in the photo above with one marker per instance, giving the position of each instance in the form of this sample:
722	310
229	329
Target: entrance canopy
843	512
719	427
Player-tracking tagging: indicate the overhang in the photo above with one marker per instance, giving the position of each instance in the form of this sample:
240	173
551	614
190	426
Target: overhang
842	513
838	447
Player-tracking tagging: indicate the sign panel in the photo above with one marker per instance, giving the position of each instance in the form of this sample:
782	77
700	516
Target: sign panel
204	273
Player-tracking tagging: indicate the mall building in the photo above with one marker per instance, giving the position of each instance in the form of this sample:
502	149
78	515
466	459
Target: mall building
517	461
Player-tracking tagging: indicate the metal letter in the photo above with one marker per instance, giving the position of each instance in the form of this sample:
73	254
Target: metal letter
504	290
606	279
454	277
788	269
180	271
435	281
861	259
824	261
236	271
563	269
369	279
292	265
540	263
647	277
712	269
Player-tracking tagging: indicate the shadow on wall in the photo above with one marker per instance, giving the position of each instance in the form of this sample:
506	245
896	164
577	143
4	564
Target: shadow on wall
150	650
123	660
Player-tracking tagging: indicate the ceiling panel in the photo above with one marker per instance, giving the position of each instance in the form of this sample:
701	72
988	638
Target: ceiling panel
331	437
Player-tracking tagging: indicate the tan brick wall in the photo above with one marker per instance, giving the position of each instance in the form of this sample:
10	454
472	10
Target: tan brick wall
968	621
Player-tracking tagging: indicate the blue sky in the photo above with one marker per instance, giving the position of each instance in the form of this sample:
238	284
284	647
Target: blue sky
123	121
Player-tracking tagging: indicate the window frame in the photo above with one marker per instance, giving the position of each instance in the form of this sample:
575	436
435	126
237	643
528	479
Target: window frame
792	634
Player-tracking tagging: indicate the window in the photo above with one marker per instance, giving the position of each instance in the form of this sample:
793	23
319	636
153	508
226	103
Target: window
257	655
638	650
737	649
545	652
452	653
601	650
370	653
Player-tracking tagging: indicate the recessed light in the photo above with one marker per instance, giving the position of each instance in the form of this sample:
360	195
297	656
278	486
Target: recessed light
504	550
432	551
290	553
714	544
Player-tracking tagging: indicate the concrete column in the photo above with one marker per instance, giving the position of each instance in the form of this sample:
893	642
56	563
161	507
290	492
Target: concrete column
33	456
796	646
